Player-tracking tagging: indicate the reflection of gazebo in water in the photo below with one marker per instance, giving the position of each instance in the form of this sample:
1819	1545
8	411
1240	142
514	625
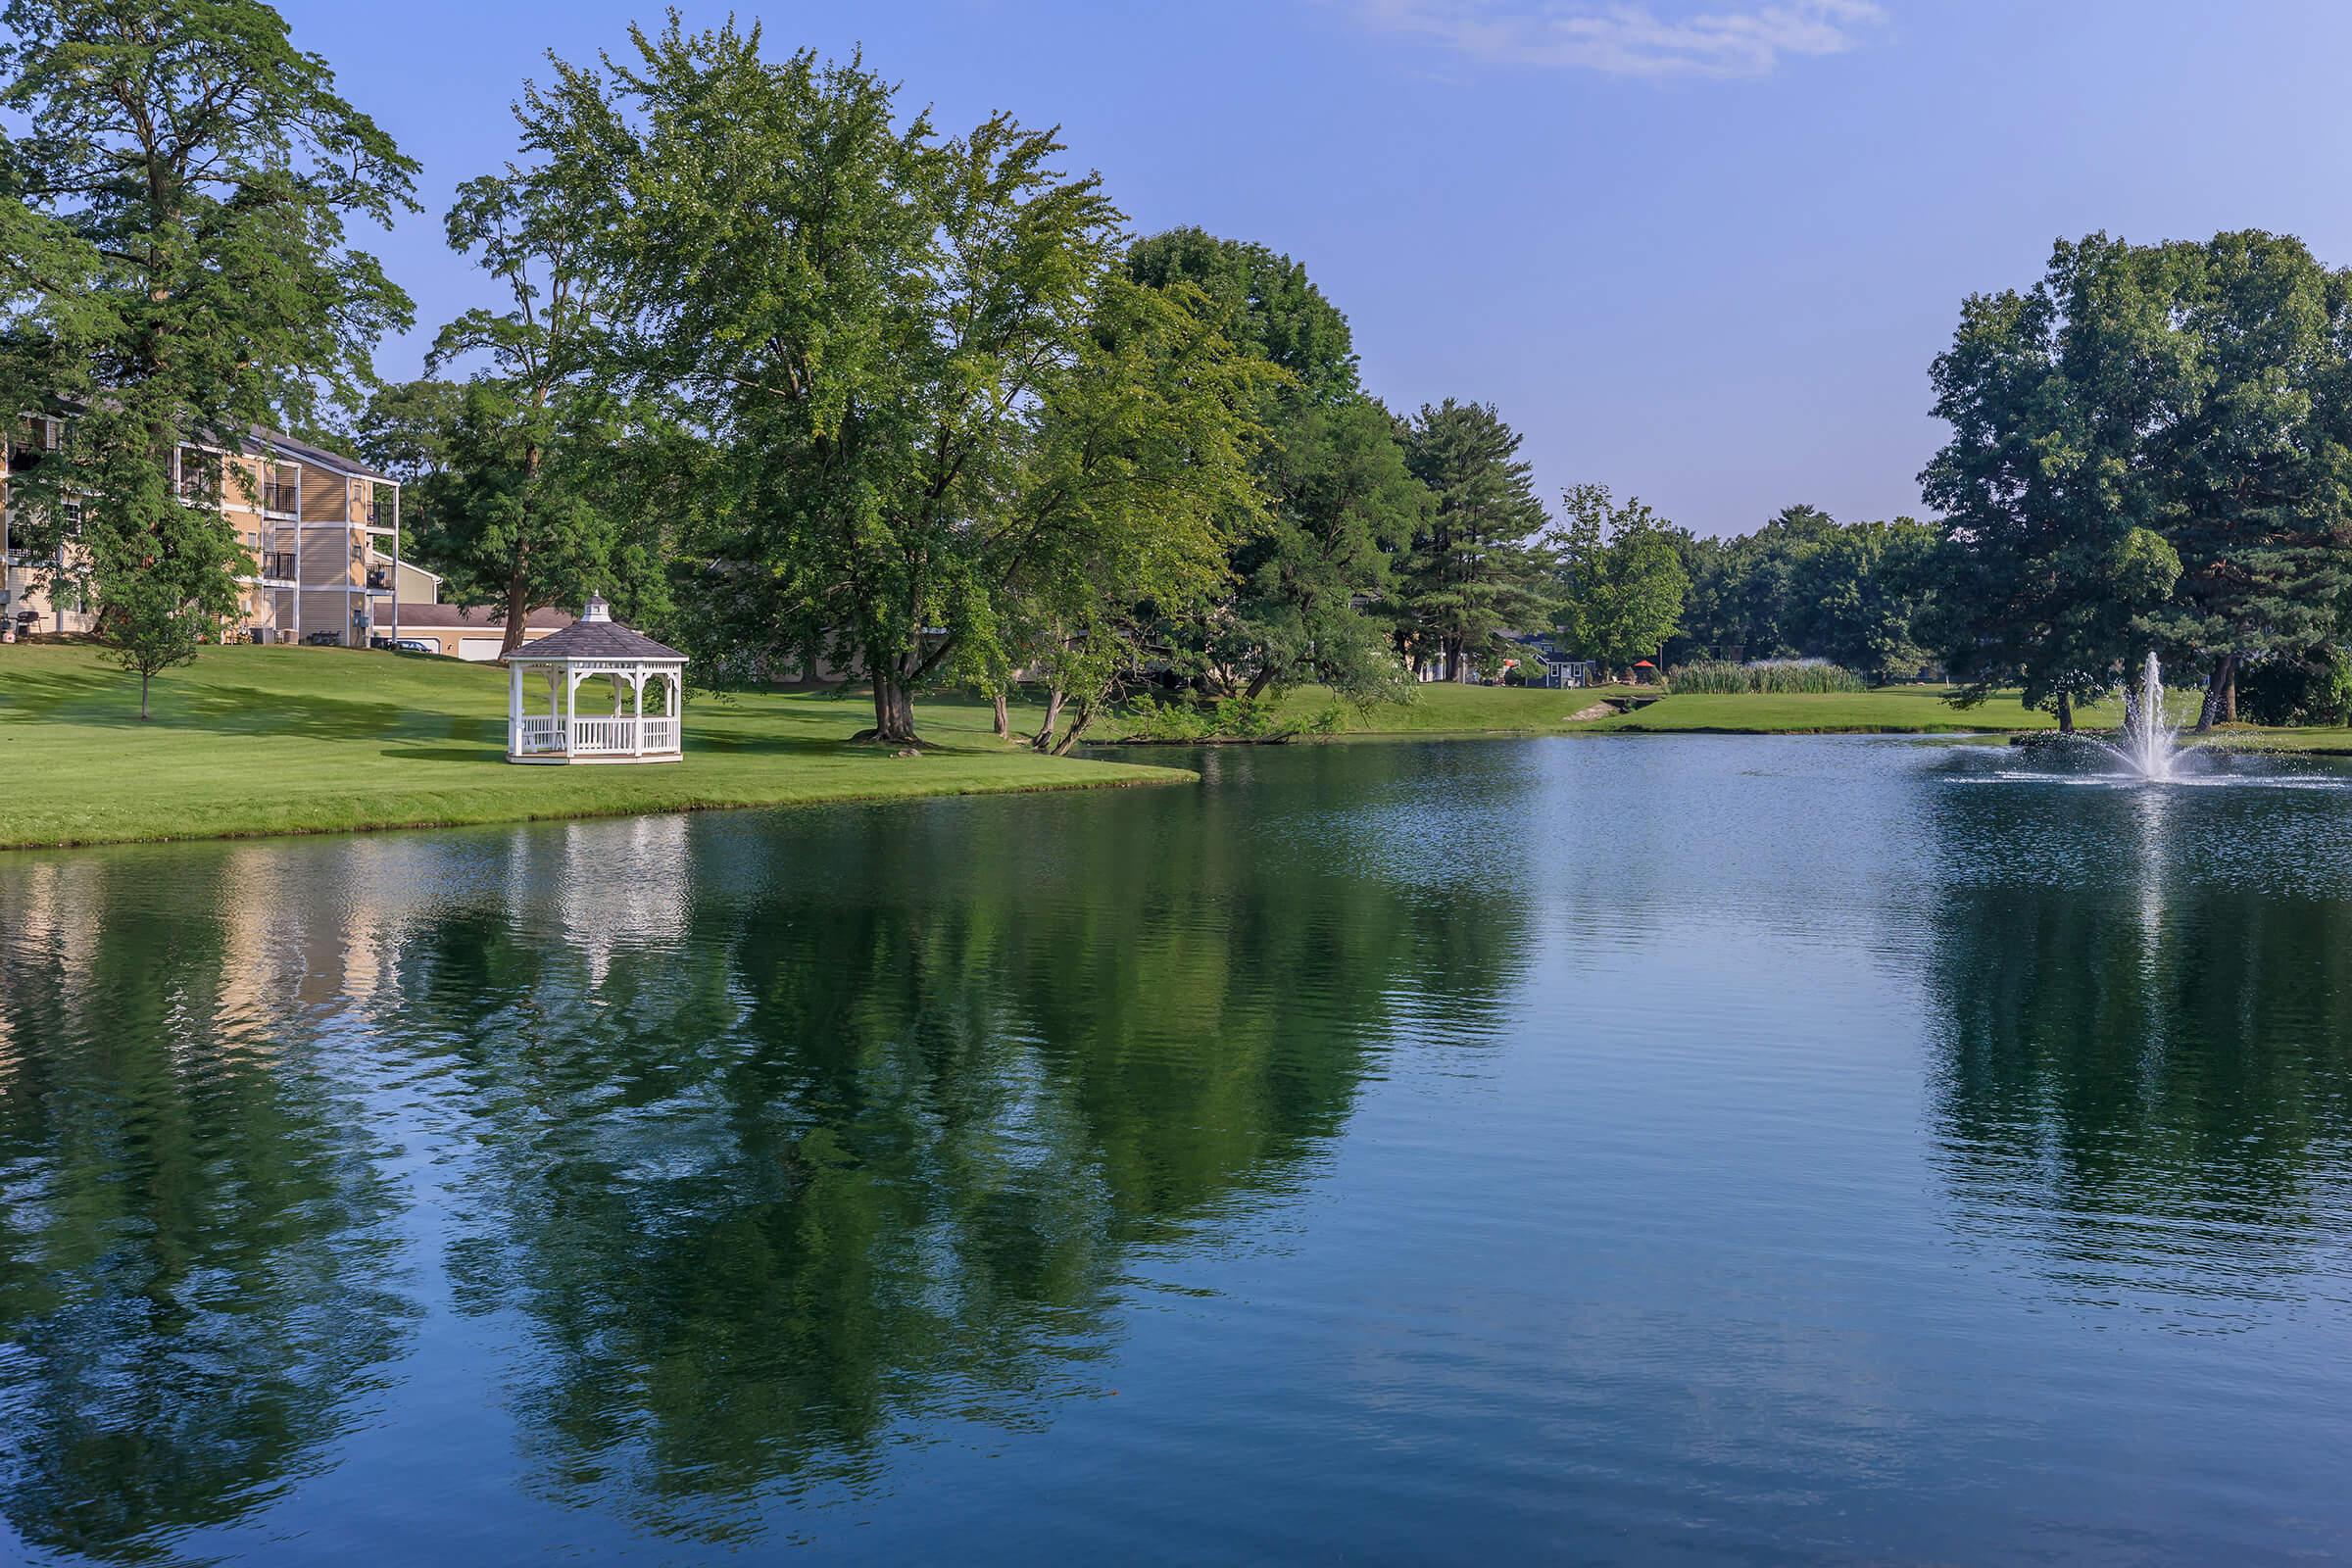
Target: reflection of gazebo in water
596	647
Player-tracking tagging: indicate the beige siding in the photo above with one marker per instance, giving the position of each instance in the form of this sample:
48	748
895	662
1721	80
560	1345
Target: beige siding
418	588
324	496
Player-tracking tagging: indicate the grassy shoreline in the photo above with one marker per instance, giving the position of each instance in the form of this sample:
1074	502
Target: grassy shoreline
1446	712
261	741
1469	712
250	742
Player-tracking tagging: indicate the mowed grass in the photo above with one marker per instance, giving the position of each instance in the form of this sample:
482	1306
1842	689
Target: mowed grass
308	740
1889	709
1438	710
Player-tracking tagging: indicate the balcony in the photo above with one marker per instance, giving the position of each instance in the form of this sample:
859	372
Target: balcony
281	499
278	566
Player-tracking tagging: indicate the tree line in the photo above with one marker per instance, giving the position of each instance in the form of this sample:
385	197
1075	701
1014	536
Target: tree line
804	381
799	378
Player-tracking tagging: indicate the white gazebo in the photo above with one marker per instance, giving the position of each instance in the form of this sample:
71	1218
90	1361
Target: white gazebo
594	649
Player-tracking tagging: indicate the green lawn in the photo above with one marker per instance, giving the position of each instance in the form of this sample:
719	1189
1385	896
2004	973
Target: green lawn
1890	709
1445	709
295	740
1436	710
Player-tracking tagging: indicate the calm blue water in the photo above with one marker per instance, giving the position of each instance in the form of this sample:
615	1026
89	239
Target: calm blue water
1689	1149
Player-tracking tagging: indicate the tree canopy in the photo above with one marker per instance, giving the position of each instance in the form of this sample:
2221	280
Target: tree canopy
1621	579
2147	450
173	195
1478	566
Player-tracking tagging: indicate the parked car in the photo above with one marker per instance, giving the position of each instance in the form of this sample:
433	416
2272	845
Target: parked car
410	645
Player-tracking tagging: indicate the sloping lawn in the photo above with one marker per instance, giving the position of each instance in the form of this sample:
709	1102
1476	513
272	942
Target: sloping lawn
298	740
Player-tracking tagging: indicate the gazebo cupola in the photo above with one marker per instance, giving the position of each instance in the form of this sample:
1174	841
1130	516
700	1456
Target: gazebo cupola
566	677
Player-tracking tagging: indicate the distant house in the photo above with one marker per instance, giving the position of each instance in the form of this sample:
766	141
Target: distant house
477	635
1545	664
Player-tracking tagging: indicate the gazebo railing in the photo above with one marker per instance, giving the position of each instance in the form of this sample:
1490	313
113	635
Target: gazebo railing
540	735
604	734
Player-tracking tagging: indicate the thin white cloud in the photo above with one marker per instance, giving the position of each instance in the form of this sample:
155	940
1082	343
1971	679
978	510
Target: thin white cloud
1724	38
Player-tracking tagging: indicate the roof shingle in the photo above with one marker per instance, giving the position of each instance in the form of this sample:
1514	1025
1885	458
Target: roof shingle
598	639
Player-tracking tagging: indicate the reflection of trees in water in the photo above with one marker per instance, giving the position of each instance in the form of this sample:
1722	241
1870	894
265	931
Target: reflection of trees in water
2148	1084
872	1142
192	1225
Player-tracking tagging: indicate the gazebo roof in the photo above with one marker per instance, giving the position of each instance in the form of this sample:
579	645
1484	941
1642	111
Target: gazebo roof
596	636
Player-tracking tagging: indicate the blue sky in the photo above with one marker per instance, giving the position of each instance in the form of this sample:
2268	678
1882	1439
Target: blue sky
1699	252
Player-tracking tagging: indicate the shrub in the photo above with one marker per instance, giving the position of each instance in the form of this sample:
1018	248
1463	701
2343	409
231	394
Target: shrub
2315	688
1177	721
1230	718
1243	719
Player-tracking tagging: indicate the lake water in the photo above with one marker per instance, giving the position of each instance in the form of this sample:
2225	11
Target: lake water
1677	1149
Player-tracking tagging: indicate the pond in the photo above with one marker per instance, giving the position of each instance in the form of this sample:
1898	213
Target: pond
1733	1150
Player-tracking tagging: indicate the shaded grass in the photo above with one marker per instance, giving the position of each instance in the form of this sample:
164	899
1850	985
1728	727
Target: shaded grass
306	740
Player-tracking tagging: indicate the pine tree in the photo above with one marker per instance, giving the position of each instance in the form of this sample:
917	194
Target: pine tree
1478	566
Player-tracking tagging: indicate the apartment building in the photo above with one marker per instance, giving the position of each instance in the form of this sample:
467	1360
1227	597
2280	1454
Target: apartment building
319	530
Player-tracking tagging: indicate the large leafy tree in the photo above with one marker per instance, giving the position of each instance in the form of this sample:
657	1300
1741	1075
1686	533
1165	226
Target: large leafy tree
520	519
1138	476
1264	302
2258	491
1621	578
1340	506
2055	482
1341	502
174	267
1478	566
885	332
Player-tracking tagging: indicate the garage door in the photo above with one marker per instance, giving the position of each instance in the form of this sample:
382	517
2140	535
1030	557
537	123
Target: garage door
482	649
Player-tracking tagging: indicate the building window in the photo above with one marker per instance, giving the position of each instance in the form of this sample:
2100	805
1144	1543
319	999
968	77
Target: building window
198	475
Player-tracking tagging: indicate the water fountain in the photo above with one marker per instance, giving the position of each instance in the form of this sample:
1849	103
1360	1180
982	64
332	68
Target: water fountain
2149	751
2149	747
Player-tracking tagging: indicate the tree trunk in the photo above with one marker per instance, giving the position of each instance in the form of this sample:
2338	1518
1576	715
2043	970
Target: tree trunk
518	605
893	706
144	678
1003	719
2221	695
1078	723
2066	714
1259	683
1044	731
